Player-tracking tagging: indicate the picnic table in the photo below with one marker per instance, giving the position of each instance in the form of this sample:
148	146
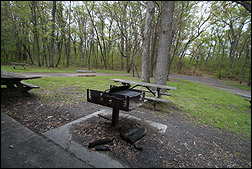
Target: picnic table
14	64
155	89
14	82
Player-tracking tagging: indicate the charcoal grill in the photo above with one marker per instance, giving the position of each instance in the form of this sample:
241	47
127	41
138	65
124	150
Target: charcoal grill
118	98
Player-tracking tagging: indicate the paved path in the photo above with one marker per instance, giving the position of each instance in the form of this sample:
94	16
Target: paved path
214	83
22	148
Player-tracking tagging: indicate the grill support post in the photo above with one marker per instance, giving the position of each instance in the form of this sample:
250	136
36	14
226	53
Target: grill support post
115	117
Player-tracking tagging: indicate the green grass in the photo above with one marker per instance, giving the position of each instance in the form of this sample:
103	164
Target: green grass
238	85
213	106
208	105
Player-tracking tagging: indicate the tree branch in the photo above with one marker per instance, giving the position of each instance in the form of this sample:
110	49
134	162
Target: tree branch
245	4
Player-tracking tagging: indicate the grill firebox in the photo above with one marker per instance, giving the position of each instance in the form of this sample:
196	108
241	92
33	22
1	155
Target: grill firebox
118	98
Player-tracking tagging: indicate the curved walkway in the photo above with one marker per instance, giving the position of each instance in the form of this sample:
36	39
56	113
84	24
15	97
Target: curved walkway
213	83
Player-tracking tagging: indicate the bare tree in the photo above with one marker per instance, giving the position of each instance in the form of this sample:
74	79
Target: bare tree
98	37
146	41
35	26
69	37
51	57
245	4
167	10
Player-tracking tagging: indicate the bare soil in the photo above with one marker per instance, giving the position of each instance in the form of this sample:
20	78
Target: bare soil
184	143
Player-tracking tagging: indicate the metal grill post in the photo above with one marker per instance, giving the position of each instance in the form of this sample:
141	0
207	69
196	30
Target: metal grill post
115	117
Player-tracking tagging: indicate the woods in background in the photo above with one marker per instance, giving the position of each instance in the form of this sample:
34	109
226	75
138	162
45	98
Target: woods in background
209	36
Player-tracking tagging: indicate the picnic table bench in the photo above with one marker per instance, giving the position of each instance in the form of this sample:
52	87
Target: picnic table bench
192	73
14	82
152	88
14	64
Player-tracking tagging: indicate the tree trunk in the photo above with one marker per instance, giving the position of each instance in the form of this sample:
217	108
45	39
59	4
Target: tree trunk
153	52
44	59
244	65
112	60
36	38
164	42
98	39
122	50
127	55
60	45
232	54
29	53
51	57
81	51
146	41
69	38
234	43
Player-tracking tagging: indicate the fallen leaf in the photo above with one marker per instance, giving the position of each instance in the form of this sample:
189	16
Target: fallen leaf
11	146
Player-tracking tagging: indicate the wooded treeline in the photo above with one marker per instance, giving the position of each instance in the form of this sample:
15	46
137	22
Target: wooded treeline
208	36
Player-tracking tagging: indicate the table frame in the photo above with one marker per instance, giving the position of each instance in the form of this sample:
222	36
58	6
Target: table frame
13	81
157	87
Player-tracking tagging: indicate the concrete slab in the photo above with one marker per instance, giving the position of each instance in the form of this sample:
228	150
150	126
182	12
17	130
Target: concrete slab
22	148
62	136
160	127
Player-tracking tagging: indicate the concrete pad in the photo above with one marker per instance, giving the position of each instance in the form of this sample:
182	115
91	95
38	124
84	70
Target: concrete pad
22	148
160	127
62	136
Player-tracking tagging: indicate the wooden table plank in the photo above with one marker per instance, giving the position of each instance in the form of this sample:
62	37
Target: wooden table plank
13	81
11	75
145	84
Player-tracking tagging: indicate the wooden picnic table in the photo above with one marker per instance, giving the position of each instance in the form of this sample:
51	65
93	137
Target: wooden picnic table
13	81
14	64
152	88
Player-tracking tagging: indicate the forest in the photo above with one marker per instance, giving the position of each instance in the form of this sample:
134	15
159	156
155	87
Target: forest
213	37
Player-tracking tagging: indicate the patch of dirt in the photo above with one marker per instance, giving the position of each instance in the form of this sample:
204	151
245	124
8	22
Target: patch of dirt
184	144
40	117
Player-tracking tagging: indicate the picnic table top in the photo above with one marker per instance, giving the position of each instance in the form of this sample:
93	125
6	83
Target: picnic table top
11	75
145	84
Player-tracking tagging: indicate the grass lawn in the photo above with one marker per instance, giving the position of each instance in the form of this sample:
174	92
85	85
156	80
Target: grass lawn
238	85
208	105
214	107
